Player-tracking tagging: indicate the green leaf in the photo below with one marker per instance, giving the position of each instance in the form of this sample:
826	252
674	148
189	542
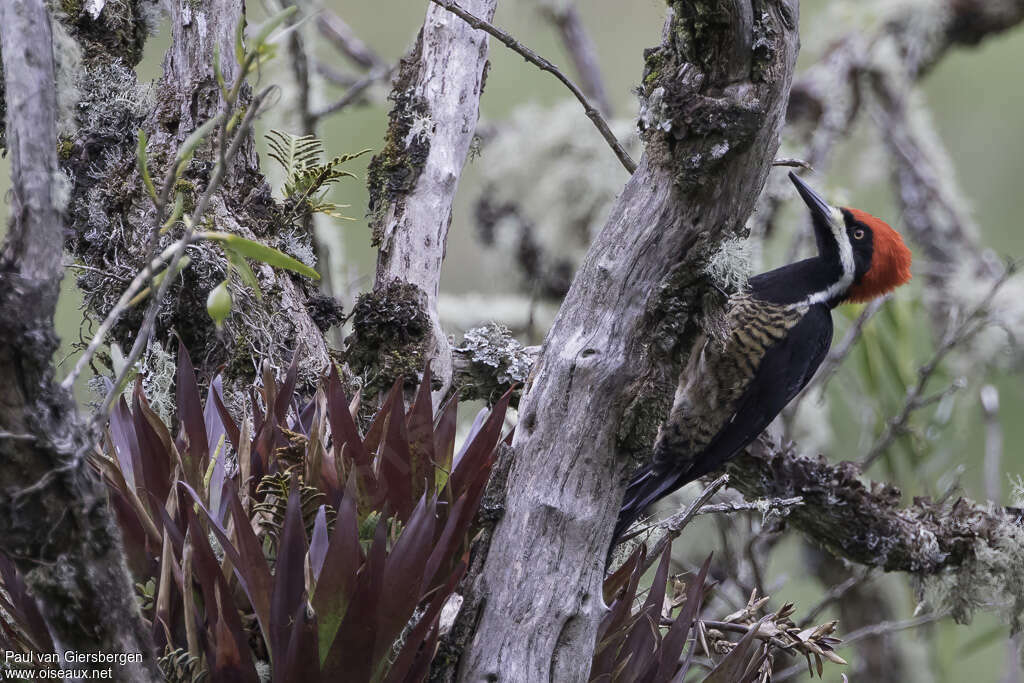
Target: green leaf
218	303
179	208
188	147
239	263
144	165
218	73
239	46
270	24
262	253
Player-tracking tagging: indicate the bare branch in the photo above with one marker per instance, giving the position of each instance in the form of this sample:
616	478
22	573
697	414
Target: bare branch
602	384
566	19
355	91
341	36
412	183
675	524
765	506
544	65
57	527
834	594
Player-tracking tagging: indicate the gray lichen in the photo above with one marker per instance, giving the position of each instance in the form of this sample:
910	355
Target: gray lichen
729	266
991	580
495	361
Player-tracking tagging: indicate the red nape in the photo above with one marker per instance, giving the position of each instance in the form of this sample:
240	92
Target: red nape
890	261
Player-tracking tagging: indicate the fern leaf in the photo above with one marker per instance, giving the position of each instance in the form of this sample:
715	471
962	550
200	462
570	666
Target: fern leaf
294	153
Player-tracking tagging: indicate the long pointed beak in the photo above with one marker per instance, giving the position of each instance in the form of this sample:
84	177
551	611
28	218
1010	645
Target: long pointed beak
814	201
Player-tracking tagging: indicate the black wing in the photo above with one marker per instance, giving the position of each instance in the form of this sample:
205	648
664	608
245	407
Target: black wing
784	371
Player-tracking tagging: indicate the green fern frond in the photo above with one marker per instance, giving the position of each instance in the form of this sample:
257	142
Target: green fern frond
306	178
294	153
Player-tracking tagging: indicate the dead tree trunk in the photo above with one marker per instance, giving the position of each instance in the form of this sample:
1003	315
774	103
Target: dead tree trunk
714	94
56	525
412	184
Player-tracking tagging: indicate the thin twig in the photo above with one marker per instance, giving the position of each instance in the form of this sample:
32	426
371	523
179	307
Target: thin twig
12	436
544	65
887	627
763	506
336	76
968	327
880	629
578	44
98	271
675	524
341	36
353	93
122	305
834	594
793	163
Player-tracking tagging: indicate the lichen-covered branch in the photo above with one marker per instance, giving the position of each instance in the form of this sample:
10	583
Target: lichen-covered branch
412	184
864	523
489	362
712	103
57	527
964	555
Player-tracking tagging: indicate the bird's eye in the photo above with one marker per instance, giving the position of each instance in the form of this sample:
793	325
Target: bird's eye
858	234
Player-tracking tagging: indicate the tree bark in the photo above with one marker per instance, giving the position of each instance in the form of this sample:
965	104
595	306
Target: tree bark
412	185
712	108
57	528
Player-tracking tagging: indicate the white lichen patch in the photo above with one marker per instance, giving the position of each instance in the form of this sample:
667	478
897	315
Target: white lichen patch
729	266
993	580
493	345
158	369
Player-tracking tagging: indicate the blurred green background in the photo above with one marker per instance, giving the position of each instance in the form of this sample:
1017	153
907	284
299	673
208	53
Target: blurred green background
977	101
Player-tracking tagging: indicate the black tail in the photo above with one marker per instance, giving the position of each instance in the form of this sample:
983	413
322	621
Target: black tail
647	486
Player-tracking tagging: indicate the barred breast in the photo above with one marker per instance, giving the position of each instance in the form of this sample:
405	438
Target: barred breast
718	372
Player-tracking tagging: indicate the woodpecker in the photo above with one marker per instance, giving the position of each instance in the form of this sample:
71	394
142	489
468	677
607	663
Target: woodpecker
777	332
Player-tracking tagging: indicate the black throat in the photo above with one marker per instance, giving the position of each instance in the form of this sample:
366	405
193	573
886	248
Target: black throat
797	281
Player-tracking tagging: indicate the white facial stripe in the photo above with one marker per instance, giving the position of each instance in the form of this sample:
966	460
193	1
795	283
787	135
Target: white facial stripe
838	227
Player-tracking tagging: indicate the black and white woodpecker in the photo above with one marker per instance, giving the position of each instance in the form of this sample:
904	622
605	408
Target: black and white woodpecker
778	331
